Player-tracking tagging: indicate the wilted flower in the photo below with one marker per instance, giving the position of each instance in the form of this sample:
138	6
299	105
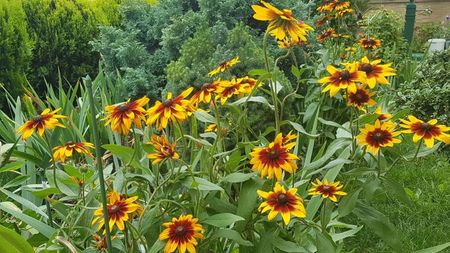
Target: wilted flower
224	66
60	153
163	149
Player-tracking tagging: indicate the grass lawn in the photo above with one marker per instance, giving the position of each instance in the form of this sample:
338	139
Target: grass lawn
426	222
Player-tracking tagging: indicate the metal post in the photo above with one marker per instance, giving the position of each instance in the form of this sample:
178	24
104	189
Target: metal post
410	18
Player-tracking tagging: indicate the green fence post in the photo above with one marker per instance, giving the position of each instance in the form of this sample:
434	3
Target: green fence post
410	18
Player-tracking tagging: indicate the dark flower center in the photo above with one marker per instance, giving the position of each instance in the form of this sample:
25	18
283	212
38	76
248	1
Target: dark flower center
180	231
114	209
326	189
38	118
366	68
123	108
426	127
282	199
345	75
168	102
378	136
167	150
273	154
205	86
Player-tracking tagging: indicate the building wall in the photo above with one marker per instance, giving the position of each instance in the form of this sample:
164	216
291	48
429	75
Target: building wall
440	9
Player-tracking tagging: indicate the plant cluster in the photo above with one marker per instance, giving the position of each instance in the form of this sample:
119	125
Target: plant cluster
190	173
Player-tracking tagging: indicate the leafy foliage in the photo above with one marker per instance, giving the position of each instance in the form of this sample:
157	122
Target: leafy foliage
428	93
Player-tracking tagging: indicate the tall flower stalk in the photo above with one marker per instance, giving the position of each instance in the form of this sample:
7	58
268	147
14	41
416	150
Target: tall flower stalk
101	178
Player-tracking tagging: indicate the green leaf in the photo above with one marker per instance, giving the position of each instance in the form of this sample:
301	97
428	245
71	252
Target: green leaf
11	166
25	202
348	203
157	247
43	193
222	219
398	190
200	141
201	184
348	233
368	118
238	177
434	249
258	72
324	245
205	117
125	154
234	161
43	228
247	201
286	246
11	242
401	114
299	128
16	181
232	235
379	224
257	99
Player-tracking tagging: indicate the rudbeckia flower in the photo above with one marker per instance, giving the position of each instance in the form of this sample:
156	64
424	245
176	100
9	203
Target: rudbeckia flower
224	66
182	234
163	149
328	33
342	79
282	23
61	153
370	43
376	136
375	72
119	211
360	98
170	110
382	116
273	159
46	120
428	131
237	86
205	93
282	201
122	115
327	190
211	128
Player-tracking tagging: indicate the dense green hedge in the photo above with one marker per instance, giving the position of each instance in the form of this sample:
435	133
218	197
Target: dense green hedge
46	39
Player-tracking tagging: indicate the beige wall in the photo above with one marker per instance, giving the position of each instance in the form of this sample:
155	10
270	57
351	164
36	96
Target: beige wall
440	9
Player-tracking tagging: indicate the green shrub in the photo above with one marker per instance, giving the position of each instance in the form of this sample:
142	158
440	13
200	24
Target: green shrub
15	47
61	31
427	31
428	94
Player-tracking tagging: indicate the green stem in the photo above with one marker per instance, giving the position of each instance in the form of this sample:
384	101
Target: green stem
53	160
98	155
379	163
322	216
418	149
136	140
47	203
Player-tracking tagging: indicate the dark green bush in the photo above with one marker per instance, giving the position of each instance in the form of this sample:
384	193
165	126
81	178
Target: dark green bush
427	31
15	47
428	95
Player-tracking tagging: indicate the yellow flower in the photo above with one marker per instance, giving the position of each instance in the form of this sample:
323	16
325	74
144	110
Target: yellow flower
327	190
224	66
46	120
330	32
360	98
370	43
60	153
205	93
182	234
281	22
382	116
170	110
211	128
163	149
122	115
343	12
428	131
379	135
342	79
375	72
119	211
285	202
274	159
286	43
237	86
